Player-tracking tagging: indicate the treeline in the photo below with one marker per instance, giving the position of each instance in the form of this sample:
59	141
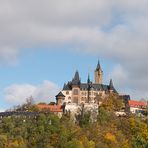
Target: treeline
49	131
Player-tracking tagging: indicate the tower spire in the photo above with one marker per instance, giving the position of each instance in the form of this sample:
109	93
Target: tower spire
98	74
111	86
98	66
76	80
76	77
88	79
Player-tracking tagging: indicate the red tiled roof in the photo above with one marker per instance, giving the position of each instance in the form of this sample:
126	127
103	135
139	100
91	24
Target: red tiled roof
52	108
133	103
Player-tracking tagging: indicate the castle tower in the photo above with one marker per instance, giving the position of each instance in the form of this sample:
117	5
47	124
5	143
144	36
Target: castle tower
59	98
98	74
111	86
76	88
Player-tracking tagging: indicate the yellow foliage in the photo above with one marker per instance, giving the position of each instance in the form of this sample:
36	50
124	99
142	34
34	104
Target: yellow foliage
14	144
91	144
110	137
112	103
126	144
144	131
86	143
132	122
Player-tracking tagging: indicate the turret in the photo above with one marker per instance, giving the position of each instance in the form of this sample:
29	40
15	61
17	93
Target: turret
98	74
76	79
88	79
60	98
76	88
111	86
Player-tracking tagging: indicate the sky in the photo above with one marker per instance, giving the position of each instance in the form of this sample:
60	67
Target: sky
43	43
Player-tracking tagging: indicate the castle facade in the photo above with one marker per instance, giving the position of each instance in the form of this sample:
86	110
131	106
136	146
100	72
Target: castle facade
77	92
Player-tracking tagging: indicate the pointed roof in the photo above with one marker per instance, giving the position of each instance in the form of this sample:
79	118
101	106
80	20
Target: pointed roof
88	79
60	94
64	86
97	87
76	79
98	66
67	86
111	86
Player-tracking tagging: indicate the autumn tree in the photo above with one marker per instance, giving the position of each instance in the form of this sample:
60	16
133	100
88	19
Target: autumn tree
112	102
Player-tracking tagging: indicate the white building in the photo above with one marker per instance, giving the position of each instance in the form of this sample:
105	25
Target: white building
137	106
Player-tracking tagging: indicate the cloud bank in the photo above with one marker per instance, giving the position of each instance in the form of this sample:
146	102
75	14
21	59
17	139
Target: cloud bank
110	28
18	93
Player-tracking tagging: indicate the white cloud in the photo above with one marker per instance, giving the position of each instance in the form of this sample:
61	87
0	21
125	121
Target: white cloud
109	28
18	93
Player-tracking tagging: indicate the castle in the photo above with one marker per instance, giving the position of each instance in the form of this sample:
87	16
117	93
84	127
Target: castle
77	92
88	96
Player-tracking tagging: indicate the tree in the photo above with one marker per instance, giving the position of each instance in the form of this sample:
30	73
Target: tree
112	102
3	141
82	116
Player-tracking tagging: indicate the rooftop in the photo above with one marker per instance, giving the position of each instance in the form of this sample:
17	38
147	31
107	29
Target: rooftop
52	108
134	103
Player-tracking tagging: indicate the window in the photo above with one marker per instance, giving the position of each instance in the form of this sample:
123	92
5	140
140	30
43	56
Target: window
82	99
69	98
83	93
75	92
67	92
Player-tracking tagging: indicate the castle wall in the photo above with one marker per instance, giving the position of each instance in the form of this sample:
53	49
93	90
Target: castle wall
82	96
68	96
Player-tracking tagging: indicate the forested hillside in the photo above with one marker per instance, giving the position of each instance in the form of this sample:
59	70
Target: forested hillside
47	131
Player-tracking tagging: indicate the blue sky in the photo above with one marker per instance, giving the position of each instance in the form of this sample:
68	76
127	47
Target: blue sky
43	43
56	66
